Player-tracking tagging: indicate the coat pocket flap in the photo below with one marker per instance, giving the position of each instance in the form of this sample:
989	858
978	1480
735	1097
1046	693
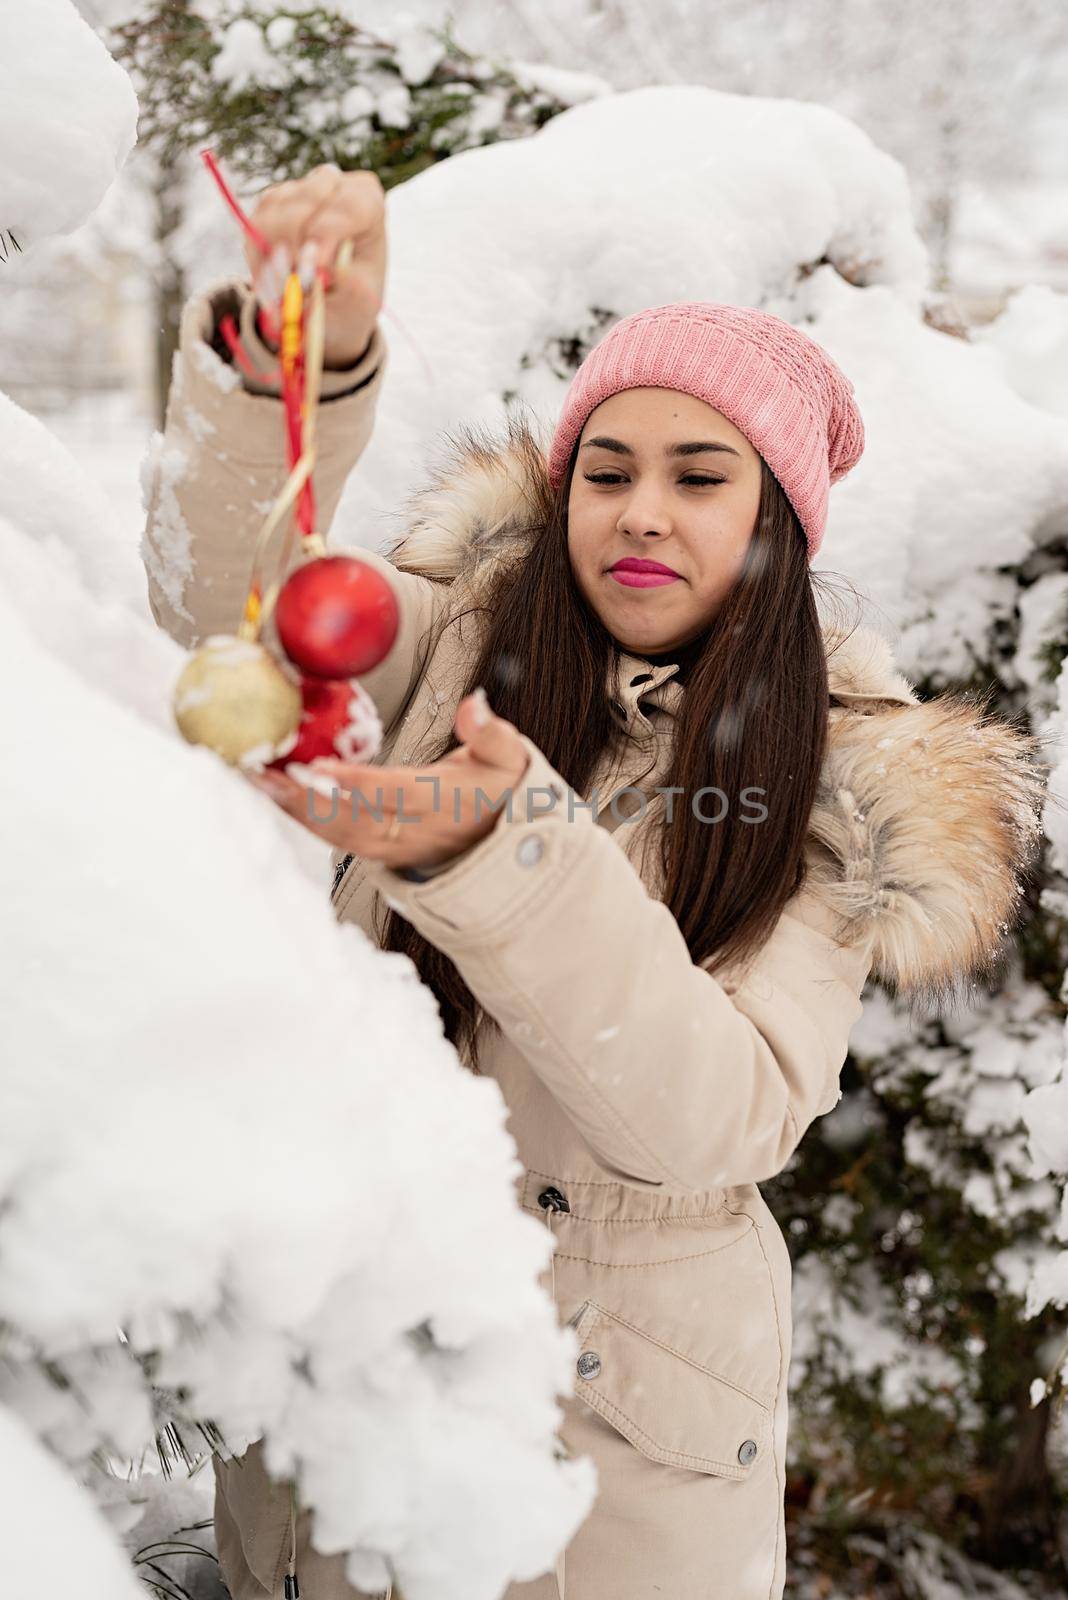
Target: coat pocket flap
668	1405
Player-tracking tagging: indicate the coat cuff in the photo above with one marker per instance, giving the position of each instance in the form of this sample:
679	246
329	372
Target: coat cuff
537	838
335	382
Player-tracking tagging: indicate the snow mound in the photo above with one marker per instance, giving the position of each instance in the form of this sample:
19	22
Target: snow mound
235	1131
55	1541
56	168
1031	336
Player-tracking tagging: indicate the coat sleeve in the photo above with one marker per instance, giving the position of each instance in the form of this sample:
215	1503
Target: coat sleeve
672	1076
213	473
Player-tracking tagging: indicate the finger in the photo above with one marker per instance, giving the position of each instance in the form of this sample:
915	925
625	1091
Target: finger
489	737
268	272
304	195
346	210
394	788
397	837
285	210
327	232
276	785
366	796
274	219
354	210
331	818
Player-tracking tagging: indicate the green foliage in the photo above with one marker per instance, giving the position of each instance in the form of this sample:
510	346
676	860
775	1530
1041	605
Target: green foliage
911	1225
276	92
914	1222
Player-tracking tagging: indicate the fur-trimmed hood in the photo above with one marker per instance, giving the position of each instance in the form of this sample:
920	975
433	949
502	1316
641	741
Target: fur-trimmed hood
927	812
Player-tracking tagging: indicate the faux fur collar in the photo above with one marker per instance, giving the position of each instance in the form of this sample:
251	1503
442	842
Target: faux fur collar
927	813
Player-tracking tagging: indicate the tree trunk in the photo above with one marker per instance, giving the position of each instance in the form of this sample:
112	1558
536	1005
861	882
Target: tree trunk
170	280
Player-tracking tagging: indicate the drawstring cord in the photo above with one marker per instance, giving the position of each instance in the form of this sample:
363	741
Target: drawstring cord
550	1217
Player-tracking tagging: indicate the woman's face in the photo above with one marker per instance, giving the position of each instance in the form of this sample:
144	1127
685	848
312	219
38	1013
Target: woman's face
660	477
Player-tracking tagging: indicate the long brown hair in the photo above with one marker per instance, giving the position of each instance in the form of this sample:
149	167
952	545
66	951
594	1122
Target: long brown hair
753	715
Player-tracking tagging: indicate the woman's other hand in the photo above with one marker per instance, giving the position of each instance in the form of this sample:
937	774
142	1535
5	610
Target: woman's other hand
440	812
305	220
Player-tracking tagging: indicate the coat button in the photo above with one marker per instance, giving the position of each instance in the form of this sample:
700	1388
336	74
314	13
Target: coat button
747	1451
530	851
588	1364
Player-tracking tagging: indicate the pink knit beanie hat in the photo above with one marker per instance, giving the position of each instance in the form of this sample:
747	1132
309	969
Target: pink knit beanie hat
774	383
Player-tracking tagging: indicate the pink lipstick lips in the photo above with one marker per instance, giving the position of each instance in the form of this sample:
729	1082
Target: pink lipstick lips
639	574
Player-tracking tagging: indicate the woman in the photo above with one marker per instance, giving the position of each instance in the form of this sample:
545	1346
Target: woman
716	817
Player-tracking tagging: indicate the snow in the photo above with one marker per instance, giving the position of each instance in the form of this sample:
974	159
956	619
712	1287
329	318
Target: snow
394	106
56	169
958	476
72	516
280	32
1055	814
852	1331
978	1086
172	565
192	950
224	377
1010	234
229	651
418	51
1046	1114
357	102
361	737
1043	609
55	1541
1031	338
569	87
192	947
111	1088
211	1209
246	59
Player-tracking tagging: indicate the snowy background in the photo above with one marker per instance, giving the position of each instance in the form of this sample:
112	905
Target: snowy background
895	183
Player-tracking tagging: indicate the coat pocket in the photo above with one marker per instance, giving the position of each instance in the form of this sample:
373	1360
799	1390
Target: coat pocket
668	1405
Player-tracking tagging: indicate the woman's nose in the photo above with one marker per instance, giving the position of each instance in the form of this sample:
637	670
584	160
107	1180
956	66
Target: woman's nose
644	514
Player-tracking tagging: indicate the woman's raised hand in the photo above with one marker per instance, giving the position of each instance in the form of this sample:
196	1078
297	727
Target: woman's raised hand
441	813
305	221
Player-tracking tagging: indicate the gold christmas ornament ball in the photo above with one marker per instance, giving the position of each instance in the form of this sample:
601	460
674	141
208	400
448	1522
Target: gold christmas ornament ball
233	697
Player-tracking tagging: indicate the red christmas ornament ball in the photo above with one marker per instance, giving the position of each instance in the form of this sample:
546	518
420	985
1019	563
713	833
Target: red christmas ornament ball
336	617
338	719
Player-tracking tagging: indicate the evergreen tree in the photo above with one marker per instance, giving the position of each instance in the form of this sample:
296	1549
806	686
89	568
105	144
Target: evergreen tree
276	90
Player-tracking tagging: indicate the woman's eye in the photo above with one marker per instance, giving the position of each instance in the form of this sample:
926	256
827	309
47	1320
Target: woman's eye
617	477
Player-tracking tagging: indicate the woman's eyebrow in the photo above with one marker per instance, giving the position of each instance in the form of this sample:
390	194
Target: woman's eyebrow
693	447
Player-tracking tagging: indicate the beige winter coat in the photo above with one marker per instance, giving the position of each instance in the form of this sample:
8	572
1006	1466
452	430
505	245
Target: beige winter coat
647	1099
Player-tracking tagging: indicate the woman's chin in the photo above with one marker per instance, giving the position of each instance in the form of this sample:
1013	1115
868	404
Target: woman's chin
640	646
633	628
